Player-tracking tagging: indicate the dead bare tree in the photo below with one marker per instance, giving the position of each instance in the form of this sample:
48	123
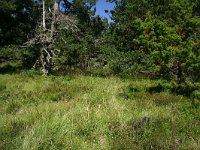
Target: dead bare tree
45	35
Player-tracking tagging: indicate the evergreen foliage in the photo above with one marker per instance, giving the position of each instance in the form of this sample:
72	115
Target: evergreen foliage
17	20
167	31
151	38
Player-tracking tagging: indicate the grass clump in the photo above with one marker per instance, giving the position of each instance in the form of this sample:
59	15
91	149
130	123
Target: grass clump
83	112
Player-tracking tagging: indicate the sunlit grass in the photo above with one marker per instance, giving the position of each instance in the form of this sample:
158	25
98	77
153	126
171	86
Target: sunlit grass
83	112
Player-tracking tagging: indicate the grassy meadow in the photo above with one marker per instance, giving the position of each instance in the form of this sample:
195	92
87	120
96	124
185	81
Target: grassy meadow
85	112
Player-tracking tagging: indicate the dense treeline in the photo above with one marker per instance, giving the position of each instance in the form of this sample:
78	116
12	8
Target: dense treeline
151	38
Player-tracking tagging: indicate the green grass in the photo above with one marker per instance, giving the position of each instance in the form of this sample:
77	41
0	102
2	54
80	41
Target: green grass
83	112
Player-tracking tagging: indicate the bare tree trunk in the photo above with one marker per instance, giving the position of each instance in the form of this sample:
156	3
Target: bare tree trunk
45	38
43	15
55	12
42	56
47	50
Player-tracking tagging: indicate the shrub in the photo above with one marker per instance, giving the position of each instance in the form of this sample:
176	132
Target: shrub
10	59
185	89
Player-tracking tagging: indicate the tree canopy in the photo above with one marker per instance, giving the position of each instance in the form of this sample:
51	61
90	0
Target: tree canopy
155	38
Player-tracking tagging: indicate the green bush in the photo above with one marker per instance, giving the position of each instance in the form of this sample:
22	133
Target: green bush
128	63
185	89
2	86
196	94
14	59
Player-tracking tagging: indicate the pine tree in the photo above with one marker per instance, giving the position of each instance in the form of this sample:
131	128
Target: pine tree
167	31
17	20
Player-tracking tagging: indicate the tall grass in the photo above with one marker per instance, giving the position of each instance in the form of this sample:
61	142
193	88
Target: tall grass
83	112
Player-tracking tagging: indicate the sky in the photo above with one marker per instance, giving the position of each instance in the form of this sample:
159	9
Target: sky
101	6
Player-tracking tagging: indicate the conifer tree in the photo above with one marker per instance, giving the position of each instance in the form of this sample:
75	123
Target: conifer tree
167	31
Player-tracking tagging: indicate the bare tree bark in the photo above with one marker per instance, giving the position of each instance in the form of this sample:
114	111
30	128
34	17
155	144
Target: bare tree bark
45	38
55	12
43	15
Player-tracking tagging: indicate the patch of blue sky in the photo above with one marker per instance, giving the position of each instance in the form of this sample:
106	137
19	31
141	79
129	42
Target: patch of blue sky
101	6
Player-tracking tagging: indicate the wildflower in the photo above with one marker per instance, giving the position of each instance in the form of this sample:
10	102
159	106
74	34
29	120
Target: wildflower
157	121
149	118
144	119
